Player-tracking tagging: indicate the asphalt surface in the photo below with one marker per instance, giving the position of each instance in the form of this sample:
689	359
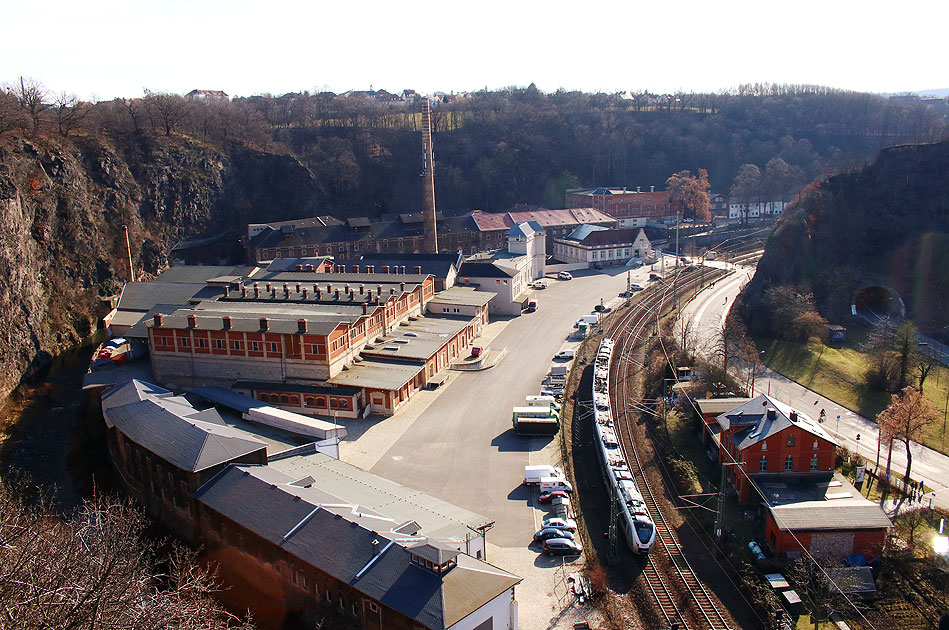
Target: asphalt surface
462	448
708	311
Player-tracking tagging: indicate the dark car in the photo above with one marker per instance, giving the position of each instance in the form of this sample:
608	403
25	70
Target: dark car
552	532
547	497
561	547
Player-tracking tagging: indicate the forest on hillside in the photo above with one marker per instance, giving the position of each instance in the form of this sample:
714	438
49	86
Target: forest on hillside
495	149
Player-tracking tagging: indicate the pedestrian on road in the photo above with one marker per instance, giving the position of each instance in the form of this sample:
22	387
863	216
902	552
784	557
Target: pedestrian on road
726	300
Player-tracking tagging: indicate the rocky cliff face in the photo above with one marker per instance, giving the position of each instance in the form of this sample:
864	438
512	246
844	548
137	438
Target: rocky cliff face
64	203
886	224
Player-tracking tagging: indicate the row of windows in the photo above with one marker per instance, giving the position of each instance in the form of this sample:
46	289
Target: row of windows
788	464
317	402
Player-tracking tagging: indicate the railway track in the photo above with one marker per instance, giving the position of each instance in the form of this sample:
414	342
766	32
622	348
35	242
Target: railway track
680	596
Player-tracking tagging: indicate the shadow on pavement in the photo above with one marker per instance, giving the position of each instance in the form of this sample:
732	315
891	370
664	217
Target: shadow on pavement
511	442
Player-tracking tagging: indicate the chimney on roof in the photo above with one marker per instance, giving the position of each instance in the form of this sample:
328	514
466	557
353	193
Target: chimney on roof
392	291
365	308
402	287
346	289
301	325
309	267
226	321
317	293
417	269
371	269
227	292
268	287
379	289
772	413
638	189
329	288
403	269
624	190
355	268
362	289
243	292
298	287
192	321
375	547
273	293
304	292
256	290
385	268
299	267
158	317
336	295
793	416
652	189
264	323
286	290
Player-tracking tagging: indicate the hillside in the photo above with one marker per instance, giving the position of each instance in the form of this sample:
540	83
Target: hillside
886	224
65	202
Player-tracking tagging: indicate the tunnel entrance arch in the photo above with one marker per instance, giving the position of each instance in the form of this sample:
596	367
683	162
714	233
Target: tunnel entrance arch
877	302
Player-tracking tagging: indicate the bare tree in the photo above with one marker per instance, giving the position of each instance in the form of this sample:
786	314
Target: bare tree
906	419
31	97
70	113
98	570
11	115
165	109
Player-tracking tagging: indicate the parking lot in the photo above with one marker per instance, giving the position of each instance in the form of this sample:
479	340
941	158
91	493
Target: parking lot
458	443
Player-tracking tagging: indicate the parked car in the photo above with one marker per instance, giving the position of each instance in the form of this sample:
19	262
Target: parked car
561	547
566	354
532	306
547	497
636	287
564	524
476	351
601	308
564	275
551	532
539	284
654	276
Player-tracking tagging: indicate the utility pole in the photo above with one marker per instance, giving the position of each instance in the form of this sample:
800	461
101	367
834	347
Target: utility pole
628	292
675	281
128	249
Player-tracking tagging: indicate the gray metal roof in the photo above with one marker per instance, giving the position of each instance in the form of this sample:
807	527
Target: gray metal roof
829	515
199	274
583	231
184	442
418	340
461	296
331	538
142	296
247	322
719	406
435	518
485	270
378	374
754	416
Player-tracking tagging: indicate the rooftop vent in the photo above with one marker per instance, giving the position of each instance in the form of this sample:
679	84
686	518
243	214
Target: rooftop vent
264	323
226	321
301	325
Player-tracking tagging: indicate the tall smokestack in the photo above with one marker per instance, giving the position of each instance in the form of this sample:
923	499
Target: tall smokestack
428	181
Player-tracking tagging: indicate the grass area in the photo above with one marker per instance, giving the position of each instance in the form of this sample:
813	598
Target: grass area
842	369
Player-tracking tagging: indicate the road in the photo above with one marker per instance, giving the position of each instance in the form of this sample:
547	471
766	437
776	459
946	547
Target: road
709	309
462	448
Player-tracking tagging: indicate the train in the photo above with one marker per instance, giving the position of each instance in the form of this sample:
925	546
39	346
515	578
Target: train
634	520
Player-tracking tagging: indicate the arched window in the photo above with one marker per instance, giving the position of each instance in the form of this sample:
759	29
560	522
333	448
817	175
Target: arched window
310	401
789	464
321	402
763	465
295	400
284	399
263	397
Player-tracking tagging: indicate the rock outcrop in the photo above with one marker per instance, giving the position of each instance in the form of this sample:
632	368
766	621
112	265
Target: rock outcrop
65	204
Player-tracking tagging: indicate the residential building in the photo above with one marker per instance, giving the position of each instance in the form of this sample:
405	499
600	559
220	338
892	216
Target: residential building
207	95
718	204
767	437
632	208
754	209
596	246
508	273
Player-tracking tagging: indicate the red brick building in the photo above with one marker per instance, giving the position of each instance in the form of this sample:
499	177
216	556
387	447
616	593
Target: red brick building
767	437
632	208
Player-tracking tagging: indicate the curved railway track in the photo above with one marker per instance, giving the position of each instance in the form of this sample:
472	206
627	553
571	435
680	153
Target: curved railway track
679	594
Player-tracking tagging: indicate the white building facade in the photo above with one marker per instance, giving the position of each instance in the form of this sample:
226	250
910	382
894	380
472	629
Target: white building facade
601	247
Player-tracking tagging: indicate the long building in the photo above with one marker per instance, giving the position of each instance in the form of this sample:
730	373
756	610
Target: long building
315	536
632	208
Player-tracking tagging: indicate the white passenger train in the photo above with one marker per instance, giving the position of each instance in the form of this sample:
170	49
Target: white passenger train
637	526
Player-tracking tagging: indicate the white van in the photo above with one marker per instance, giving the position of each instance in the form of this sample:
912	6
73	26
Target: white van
533	474
543	401
566	354
549	484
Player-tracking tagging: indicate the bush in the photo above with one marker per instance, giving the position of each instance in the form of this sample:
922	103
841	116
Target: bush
685	475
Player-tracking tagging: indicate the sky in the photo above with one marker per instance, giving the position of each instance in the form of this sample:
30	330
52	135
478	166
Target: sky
102	49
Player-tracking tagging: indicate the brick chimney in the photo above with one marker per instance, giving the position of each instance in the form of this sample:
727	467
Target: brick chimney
304	292
256	290
371	269
310	268
385	268
336	294
417	269
273	293
402	287
365	308
355	268
227	292
226	321
362	289
243	292
298	287
301	325
158	319
268	287
264	324
299	267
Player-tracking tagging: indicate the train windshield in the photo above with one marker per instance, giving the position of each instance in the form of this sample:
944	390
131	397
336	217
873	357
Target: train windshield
644	532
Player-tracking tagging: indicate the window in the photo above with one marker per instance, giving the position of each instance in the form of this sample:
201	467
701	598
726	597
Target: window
329	595
815	445
255	346
184	342
353	609
814	462
284	399
310	401
763	465
321	403
218	344
236	344
274	347
263	397
791	439
764	446
200	342
789	464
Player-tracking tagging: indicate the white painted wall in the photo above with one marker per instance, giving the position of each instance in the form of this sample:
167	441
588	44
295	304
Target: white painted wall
502	610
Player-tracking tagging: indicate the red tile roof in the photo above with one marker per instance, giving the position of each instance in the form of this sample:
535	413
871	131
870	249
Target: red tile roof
487	221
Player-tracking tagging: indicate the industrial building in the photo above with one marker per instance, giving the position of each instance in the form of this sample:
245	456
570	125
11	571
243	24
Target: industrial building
632	208
595	246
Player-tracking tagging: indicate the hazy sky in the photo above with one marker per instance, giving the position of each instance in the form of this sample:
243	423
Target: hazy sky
109	48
